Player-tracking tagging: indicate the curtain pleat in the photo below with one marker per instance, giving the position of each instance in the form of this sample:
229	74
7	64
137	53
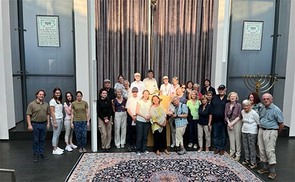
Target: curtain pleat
182	35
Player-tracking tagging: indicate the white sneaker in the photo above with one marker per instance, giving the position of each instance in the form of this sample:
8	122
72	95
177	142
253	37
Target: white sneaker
60	149
57	152
195	146
172	145
73	146
190	145
68	148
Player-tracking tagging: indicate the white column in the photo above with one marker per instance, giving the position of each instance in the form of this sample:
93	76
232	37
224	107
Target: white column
7	113
220	42
289	98
93	74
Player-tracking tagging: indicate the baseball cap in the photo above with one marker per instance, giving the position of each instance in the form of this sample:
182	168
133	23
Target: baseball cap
107	80
165	77
136	74
134	89
221	87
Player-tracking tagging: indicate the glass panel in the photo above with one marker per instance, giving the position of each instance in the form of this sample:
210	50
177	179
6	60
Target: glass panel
48	84
49	60
18	99
237	85
15	55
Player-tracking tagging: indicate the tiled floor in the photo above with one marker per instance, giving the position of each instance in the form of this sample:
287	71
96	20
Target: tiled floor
18	155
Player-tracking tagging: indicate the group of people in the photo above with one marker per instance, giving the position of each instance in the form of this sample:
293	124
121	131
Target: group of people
40	115
132	109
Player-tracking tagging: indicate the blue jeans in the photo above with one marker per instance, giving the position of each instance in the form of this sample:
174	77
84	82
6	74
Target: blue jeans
193	131
81	133
219	135
142	129
39	135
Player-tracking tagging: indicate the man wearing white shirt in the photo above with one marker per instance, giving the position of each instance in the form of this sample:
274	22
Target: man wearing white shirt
166	87
138	83
151	83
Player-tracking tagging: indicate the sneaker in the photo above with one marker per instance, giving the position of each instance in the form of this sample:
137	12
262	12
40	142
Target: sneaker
146	152
138	153
245	162
73	146
69	148
80	150
237	158
172	145
252	166
182	151
262	171
118	147
84	150
195	146
190	145
43	156
36	158
200	150
60	149
272	175
57	152
122	146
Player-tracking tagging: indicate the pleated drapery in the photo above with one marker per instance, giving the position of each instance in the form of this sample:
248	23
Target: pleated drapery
181	39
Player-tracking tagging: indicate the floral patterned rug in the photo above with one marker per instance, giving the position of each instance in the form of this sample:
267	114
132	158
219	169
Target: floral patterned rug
192	166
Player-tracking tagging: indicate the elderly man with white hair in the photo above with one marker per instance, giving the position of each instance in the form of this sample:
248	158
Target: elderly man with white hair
271	123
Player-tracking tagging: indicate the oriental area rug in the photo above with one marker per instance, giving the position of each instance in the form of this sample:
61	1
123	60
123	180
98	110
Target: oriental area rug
192	166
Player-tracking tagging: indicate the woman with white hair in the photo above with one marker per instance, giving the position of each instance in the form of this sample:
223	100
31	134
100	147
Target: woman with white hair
232	117
250	120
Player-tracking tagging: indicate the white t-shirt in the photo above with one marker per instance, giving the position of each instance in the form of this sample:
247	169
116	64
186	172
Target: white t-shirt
166	89
144	109
131	104
57	108
140	85
250	122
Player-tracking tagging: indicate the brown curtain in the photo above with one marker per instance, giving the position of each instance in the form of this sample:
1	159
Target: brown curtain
181	39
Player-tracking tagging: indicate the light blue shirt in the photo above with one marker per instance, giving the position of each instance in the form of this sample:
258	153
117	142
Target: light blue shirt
181	109
271	117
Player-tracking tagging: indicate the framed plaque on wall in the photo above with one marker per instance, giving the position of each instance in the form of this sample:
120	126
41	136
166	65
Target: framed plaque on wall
252	35
48	31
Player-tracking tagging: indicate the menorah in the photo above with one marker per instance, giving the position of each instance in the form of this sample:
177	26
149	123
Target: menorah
259	83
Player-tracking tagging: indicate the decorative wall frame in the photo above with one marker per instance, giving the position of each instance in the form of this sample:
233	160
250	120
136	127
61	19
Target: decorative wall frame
48	30
252	35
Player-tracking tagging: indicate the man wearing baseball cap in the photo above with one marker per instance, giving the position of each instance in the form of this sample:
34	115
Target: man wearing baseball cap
166	87
219	127
138	83
150	82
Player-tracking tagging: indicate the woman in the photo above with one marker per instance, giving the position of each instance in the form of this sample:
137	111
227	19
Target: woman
104	112
142	122
207	87
174	86
80	121
255	101
158	120
204	123
120	120
68	130
250	120
196	88
193	104
120	83
234	124
56	119
126	90
189	88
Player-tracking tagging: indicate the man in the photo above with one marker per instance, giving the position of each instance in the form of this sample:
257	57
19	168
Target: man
38	113
138	83
218	105
166	87
151	83
131	119
271	124
180	117
111	92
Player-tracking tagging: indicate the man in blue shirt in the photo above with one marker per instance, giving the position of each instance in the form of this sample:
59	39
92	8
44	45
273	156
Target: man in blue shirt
271	123
180	117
